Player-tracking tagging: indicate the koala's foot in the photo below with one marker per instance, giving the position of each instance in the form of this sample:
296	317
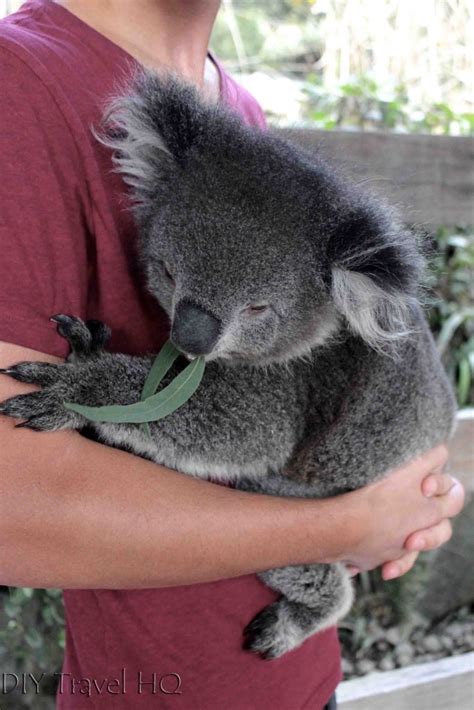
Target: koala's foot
85	338
279	628
315	598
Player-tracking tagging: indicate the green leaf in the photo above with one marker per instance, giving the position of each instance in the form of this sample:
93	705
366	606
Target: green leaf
464	381
163	362
451	325
10	609
153	408
33	638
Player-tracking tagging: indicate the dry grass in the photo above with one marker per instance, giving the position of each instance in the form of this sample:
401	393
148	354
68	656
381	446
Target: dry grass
425	45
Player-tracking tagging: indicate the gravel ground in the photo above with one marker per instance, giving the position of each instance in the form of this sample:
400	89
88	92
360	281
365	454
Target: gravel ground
374	646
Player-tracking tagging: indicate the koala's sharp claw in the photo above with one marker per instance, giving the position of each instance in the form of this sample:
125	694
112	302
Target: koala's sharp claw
5	370
31	424
64	324
22	425
36	373
61	318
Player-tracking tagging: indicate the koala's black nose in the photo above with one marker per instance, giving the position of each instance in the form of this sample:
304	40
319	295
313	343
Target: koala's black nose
195	330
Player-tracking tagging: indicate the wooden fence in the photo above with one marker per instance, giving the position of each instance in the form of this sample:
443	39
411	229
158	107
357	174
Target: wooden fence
430	178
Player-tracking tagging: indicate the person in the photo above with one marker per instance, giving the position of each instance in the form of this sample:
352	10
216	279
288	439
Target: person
158	568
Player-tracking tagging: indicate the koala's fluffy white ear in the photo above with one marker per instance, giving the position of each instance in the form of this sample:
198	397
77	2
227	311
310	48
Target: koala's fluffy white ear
151	129
375	269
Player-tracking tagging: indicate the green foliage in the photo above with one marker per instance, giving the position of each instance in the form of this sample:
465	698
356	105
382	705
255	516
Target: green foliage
452	311
247	34
364	105
31	632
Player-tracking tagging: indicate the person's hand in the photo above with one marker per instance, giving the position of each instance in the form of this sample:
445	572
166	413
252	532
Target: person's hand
406	513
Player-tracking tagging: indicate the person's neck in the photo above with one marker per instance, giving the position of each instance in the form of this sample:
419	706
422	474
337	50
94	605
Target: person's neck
170	34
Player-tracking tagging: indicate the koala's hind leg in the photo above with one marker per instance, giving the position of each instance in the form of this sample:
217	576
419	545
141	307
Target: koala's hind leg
314	598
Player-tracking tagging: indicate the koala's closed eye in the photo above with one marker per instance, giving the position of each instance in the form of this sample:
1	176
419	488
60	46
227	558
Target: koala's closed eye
255	309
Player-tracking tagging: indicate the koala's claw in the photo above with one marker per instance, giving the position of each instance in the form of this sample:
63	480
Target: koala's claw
85	338
63	322
33	373
259	636
41	411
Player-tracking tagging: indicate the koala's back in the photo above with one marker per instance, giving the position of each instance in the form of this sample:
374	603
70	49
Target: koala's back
369	412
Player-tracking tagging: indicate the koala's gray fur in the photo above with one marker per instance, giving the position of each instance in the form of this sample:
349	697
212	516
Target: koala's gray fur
301	293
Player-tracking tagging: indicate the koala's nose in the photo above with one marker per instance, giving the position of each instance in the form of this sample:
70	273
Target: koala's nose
195	330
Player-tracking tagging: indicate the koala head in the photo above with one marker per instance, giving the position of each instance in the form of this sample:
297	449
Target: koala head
257	251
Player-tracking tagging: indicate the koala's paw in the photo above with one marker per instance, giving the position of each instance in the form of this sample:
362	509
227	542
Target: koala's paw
85	338
274	631
43	410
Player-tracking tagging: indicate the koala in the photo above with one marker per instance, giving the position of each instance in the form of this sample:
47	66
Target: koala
301	293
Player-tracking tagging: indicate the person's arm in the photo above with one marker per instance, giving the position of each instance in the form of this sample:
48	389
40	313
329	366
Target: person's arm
76	513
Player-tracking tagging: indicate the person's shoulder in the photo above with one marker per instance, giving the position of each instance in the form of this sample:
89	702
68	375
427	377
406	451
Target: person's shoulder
33	50
19	36
33	97
24	91
21	49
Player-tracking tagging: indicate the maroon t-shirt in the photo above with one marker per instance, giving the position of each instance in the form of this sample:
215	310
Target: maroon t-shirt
68	245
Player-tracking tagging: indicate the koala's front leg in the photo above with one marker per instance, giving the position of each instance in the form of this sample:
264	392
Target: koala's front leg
91	377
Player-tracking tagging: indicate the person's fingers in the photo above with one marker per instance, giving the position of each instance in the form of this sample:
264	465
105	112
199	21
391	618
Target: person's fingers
429	539
452	502
397	568
437	484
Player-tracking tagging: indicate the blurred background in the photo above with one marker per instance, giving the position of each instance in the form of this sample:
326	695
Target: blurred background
361	64
384	87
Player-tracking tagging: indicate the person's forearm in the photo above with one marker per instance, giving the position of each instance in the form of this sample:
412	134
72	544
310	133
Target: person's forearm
75	513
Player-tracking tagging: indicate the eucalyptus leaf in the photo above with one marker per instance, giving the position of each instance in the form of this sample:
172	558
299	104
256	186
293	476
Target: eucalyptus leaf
162	364
153	408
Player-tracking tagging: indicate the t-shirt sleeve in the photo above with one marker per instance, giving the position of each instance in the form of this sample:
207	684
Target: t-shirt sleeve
43	230
255	113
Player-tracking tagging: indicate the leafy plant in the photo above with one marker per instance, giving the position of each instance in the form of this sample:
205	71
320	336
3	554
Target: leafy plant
452	308
362	104
31	635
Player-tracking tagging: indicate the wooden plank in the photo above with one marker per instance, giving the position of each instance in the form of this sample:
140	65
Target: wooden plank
447	684
430	178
